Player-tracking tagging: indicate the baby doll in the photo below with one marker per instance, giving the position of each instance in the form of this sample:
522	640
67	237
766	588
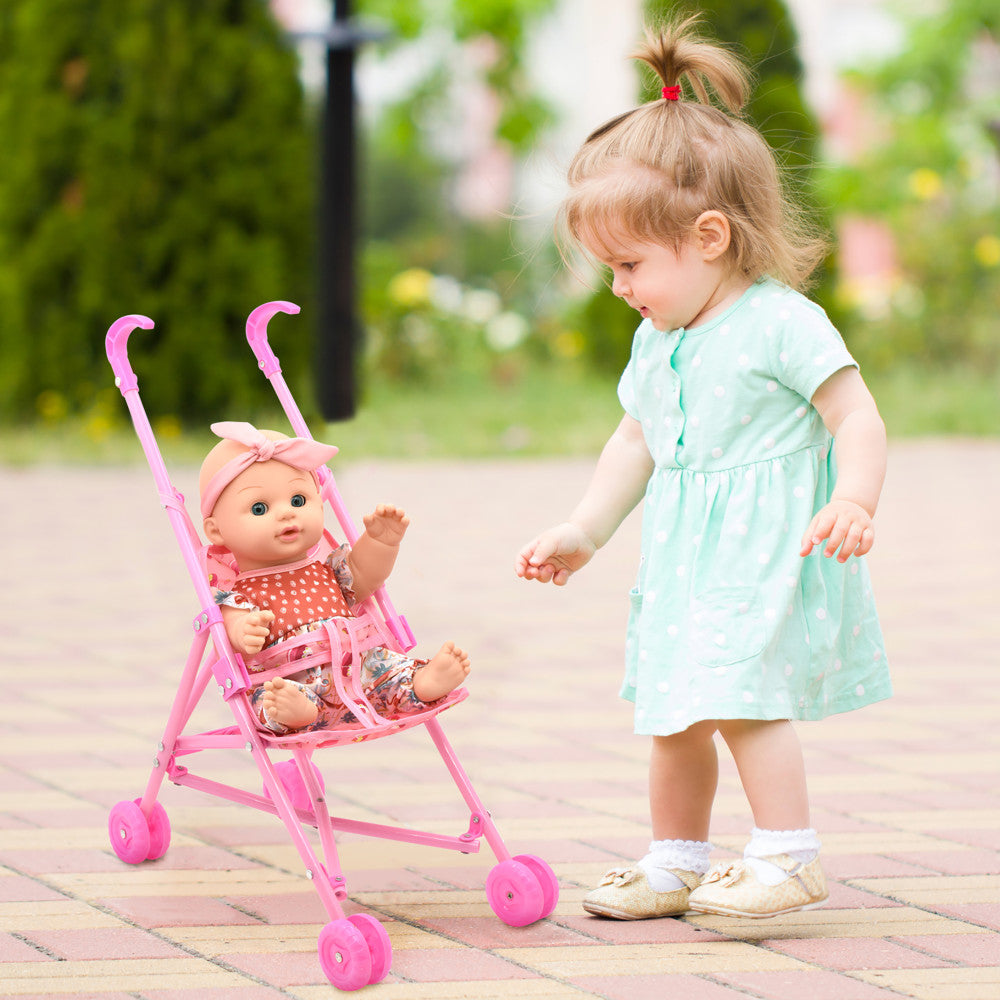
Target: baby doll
260	501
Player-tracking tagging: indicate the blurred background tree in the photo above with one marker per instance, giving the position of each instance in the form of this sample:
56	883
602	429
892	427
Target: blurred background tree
929	172
157	159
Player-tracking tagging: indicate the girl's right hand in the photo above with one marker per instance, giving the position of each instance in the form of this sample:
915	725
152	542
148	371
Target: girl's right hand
555	555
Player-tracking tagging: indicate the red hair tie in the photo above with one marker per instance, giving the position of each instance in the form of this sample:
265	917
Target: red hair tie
672	93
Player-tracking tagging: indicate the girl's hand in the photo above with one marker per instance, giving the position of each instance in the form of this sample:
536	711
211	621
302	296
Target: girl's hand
844	525
387	524
555	555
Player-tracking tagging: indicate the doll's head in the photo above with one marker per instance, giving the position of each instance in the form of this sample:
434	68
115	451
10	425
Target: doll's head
648	175
260	497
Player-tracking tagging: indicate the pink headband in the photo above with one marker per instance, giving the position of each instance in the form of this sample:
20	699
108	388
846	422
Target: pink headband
299	453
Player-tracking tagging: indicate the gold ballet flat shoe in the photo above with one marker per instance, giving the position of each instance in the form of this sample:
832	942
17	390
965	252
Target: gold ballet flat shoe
624	894
734	890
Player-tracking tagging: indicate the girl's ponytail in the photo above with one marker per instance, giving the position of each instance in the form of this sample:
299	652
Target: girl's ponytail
676	53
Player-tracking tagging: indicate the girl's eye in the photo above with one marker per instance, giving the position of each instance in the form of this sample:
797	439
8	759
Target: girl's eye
259	509
298	500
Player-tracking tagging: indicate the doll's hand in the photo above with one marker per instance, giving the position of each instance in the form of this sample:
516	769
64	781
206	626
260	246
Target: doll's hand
844	525
555	555
253	631
387	524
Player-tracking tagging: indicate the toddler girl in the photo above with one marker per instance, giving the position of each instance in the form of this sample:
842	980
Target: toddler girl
261	503
752	606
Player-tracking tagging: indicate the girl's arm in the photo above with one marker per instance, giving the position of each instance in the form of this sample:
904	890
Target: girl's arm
618	484
851	416
373	555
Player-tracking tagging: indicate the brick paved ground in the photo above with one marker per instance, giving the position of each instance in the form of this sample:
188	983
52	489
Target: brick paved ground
95	604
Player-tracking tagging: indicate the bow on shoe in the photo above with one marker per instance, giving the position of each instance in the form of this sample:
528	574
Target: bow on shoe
727	875
619	877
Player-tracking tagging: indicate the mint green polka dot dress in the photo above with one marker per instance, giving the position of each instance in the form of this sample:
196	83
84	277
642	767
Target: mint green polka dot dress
727	620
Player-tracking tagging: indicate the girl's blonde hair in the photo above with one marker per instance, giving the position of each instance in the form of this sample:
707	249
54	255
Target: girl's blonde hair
647	175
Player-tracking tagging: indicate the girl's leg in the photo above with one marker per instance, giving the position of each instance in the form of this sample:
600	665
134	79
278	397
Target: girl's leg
781	872
683	774
768	757
683	777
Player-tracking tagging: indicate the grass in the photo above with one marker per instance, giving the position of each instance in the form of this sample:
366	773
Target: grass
540	414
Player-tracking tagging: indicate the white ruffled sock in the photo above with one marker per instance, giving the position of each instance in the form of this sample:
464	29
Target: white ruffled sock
802	845
688	855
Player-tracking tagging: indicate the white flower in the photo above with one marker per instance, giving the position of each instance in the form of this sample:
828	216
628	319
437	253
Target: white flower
506	330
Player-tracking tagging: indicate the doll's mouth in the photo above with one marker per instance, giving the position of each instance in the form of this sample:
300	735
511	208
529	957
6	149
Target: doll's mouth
290	533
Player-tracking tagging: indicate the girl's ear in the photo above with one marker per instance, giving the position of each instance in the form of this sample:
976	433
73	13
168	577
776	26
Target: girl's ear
713	234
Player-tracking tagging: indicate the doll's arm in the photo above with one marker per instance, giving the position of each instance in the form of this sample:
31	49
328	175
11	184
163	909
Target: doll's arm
247	630
373	555
618	484
851	416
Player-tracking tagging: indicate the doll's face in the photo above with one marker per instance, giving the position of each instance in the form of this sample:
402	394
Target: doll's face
269	515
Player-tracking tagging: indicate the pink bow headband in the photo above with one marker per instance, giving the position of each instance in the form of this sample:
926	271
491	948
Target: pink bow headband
300	453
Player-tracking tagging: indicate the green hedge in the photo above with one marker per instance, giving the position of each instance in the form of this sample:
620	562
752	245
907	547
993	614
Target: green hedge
158	159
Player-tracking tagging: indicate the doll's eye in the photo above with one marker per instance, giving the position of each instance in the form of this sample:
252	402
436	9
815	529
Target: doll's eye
298	500
259	509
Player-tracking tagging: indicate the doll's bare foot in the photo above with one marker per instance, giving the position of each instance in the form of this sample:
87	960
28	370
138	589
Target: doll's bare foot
287	705
441	674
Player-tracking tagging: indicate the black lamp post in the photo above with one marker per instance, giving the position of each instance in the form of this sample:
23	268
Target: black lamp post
339	333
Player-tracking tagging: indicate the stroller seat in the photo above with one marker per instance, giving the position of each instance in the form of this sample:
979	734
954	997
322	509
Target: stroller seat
355	950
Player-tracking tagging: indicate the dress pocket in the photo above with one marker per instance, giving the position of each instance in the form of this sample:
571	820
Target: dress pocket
727	626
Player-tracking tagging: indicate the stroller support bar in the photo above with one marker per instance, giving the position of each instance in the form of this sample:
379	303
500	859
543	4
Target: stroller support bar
466	843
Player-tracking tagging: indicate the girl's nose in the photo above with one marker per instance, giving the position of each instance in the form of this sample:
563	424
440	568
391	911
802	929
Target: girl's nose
619	285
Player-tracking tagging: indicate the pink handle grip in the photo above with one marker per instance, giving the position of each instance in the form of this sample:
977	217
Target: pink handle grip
116	345
257	334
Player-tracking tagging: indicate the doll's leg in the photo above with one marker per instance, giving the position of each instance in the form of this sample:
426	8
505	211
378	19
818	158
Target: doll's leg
444	672
286	705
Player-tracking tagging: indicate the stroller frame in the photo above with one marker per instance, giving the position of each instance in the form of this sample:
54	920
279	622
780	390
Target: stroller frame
354	950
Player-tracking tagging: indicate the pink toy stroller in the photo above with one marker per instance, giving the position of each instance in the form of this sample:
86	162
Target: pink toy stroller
354	951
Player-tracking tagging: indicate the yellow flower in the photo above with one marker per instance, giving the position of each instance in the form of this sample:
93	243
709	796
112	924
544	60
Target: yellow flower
987	251
926	183
569	344
167	427
52	406
411	287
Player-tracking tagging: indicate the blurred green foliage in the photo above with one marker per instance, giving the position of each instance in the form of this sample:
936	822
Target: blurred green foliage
157	160
930	171
438	284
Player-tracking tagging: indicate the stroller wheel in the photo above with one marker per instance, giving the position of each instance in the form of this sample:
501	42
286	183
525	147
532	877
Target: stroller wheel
159	832
515	894
129	832
344	955
298	794
546	880
379	946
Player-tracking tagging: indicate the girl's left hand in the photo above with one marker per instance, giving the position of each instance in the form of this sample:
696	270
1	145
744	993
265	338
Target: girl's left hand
844	525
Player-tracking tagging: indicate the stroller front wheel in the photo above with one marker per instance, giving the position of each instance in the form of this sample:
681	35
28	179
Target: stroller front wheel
134	838
354	951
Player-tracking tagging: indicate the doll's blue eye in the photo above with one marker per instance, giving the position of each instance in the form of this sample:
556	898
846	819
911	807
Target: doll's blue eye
259	509
298	500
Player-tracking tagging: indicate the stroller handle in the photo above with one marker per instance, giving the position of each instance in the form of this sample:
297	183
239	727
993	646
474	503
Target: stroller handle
257	333
116	345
